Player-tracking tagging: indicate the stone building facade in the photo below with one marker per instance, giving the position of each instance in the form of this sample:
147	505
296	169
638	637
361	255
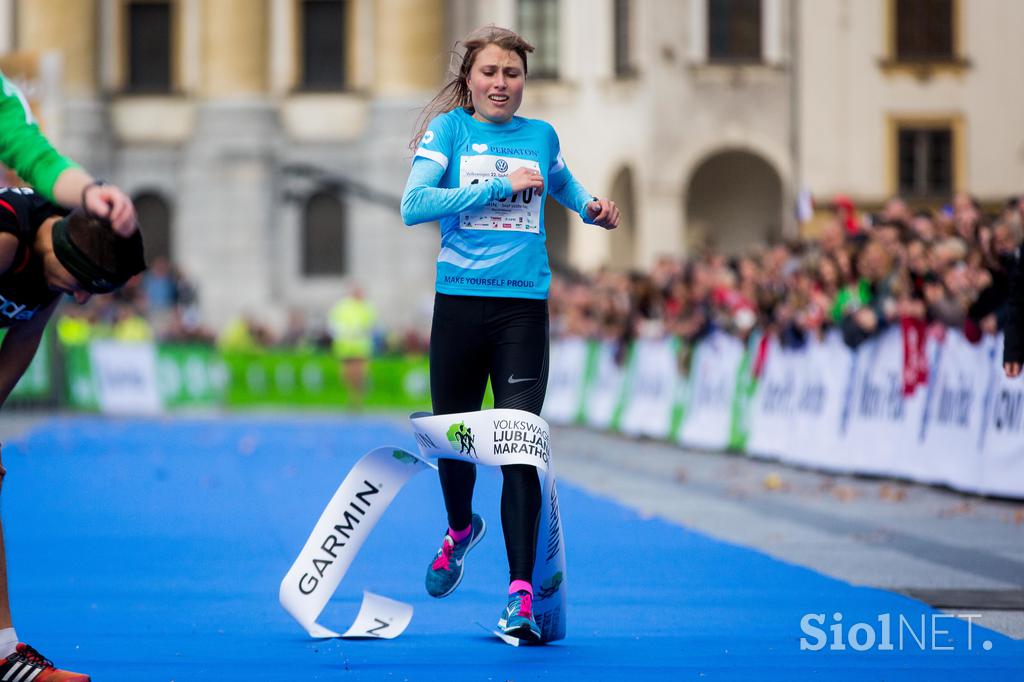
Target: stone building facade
266	140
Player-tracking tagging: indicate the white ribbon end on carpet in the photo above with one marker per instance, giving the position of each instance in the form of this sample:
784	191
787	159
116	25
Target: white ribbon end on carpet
380	618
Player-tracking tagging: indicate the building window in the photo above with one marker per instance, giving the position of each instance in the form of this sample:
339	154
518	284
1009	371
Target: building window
924	30
323	236
538	24
154	215
323	44
624	66
734	30
925	161
149	47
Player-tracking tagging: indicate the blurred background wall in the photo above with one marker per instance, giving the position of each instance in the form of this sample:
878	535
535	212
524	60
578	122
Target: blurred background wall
265	141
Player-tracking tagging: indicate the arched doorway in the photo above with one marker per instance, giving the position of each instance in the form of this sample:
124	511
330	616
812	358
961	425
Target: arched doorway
323	236
734	201
154	214
622	247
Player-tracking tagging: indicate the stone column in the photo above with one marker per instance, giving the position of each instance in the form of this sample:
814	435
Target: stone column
63	33
235	40
228	203
410	54
67	27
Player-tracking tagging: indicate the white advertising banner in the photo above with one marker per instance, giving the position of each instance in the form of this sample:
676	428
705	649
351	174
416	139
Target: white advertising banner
652	389
489	437
949	448
713	382
881	427
126	377
1002	431
827	406
565	380
604	391
824	372
773	408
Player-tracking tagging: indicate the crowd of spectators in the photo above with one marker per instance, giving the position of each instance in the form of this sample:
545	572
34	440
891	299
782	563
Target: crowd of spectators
861	274
160	304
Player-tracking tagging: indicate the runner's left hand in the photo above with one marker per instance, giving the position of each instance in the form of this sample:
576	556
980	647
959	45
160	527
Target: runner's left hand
604	213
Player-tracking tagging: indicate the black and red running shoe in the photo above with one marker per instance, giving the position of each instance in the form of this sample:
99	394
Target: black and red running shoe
28	665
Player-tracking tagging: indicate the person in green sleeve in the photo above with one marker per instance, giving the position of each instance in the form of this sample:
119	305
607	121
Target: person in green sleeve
25	150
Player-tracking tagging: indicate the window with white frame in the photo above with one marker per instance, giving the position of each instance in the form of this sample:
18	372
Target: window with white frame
734	31
150	50
324	25
538	24
925	160
623	35
924	30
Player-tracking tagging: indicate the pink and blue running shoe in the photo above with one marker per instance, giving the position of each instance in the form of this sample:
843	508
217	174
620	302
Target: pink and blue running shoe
517	618
445	573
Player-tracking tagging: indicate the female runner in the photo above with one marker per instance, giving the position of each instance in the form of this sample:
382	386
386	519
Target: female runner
483	172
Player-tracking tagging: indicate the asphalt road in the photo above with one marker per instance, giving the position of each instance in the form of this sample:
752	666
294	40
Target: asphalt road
961	553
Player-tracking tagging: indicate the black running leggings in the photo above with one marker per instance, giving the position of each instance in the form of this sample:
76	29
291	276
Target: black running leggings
473	338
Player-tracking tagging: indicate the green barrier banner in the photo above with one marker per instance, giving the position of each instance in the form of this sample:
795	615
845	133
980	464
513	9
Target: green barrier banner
295	378
746	386
589	377
37	380
82	384
627	387
190	376
684	388
187	376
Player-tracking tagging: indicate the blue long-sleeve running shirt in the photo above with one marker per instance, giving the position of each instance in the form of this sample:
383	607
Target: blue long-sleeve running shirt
492	239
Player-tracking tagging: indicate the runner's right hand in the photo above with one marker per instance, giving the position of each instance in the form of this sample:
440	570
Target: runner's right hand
524	178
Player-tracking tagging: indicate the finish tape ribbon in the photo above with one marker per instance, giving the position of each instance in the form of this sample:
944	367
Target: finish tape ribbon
488	437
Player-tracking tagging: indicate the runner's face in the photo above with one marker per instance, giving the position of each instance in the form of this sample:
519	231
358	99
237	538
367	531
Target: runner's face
59	279
496	81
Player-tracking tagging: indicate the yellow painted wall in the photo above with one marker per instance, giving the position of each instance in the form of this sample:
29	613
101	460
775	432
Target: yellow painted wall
235	41
67	26
410	48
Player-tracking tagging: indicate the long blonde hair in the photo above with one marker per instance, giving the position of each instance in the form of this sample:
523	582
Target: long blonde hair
455	93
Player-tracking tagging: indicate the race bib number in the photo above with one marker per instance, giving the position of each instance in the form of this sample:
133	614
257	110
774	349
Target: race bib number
518	213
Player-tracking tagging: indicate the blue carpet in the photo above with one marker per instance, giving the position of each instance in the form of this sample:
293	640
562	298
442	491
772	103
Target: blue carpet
153	550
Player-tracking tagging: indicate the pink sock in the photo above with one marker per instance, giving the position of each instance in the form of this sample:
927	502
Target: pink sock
518	585
460	535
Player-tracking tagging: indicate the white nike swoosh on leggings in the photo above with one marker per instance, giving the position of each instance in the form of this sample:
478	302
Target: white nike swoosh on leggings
513	380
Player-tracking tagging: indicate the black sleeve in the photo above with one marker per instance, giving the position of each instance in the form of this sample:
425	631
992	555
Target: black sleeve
12	213
39	209
23	210
1013	344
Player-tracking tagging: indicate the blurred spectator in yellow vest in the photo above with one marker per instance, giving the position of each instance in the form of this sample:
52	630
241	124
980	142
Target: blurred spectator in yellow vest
131	327
74	328
350	323
239	336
